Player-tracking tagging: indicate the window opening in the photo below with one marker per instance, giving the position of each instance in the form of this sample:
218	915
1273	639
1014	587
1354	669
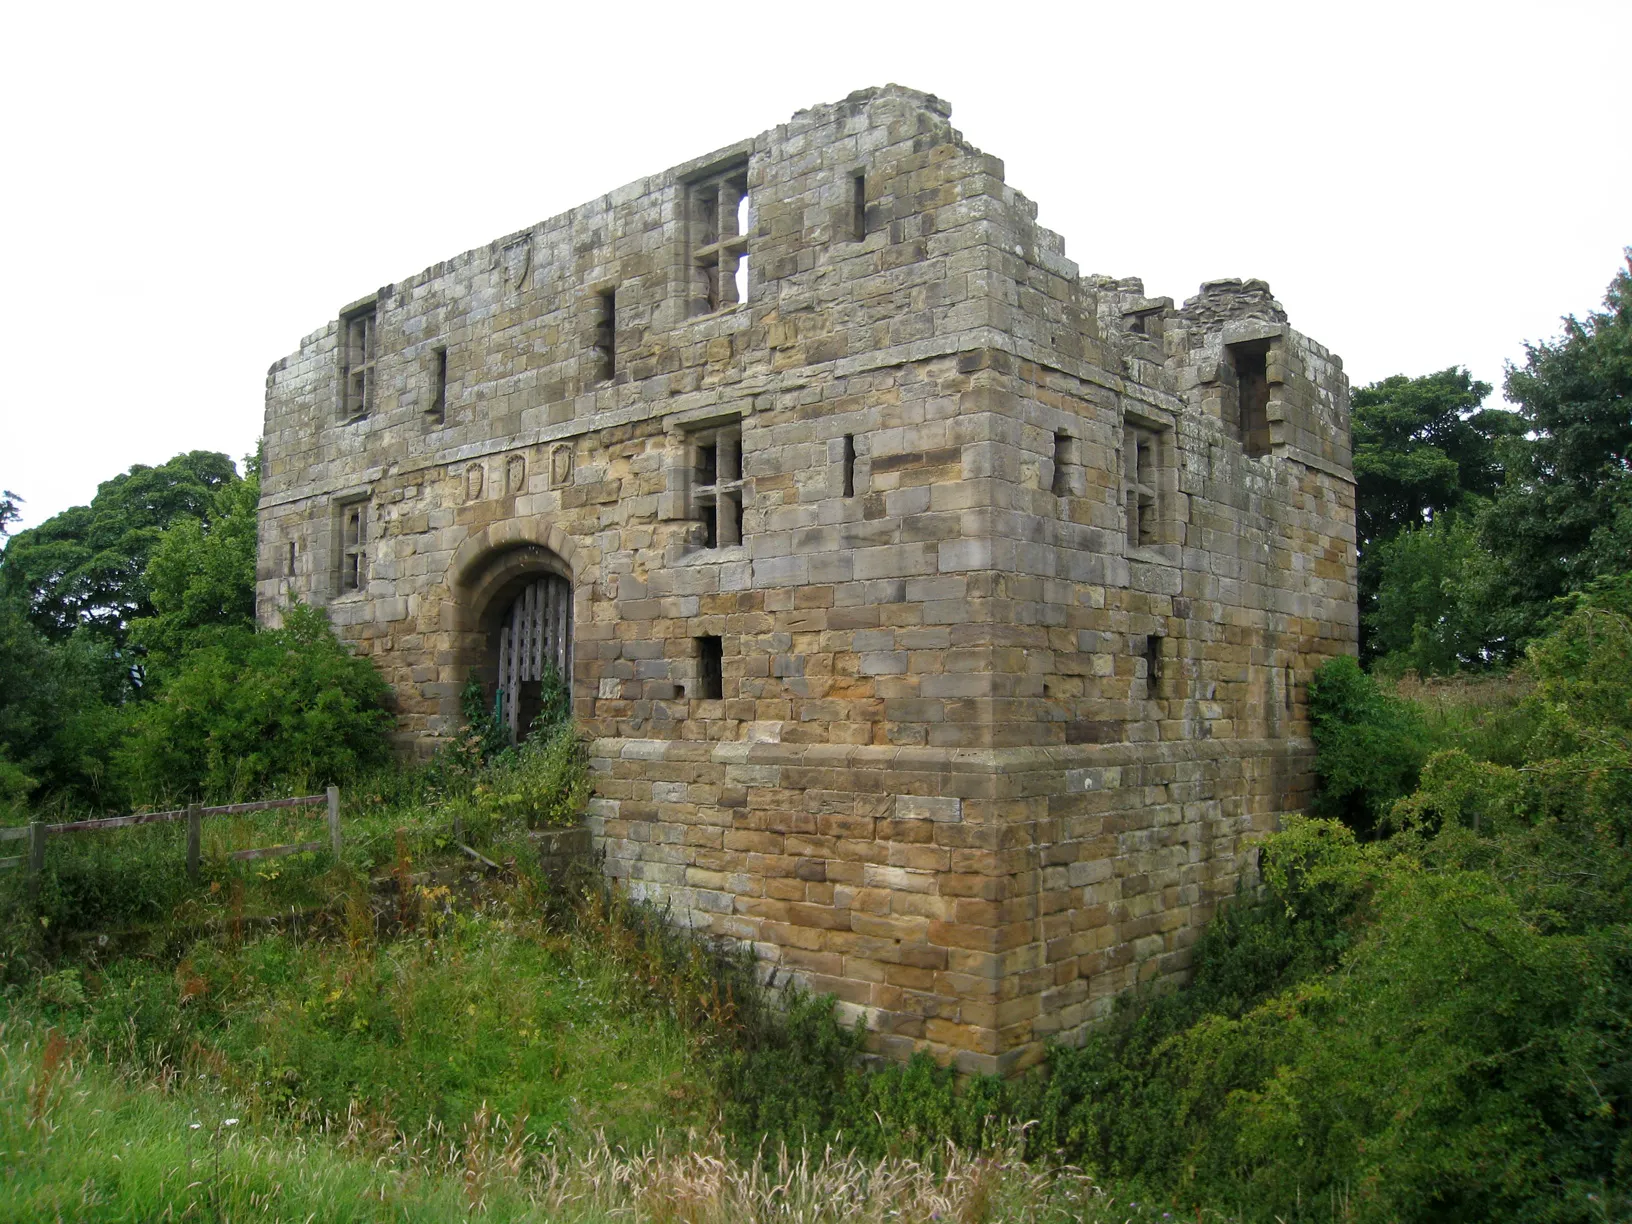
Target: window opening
353	547
1153	663
357	365
716	486
718	217
1251	362
606	336
1066	461
849	465
289	567
1289	683
858	207
1140	491
710	668
742	261
438	411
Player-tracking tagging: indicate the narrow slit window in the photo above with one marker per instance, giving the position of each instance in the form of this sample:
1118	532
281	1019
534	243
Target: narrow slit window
1153	664
606	336
849	465
438	410
1289	682
1066	462
289	565
710	668
858	207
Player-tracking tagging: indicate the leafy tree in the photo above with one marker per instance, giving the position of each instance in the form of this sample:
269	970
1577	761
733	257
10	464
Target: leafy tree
1437	605
201	576
84	567
9	513
1564	519
252	712
1422	447
58	710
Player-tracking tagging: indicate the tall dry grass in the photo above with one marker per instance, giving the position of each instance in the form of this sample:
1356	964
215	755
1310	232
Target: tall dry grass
81	1143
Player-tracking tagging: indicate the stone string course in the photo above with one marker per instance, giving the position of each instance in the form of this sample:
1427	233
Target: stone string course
940	780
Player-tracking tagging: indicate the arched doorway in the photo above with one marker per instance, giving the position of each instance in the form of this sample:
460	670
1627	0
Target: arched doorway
535	638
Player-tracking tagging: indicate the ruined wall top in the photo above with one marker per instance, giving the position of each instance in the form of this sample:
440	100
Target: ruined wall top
860	234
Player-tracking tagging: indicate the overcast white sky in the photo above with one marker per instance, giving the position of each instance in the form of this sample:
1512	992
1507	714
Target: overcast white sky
189	191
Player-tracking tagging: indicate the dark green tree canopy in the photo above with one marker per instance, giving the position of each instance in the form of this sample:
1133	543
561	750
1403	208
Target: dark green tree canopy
1566	518
1423	446
84	567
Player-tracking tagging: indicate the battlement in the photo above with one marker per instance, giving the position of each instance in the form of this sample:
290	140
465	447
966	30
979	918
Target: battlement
941	616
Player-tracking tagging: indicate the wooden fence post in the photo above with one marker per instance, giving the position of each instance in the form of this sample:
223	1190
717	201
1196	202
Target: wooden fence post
334	821
36	858
195	837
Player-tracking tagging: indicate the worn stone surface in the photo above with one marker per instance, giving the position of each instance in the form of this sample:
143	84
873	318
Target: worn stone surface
940	778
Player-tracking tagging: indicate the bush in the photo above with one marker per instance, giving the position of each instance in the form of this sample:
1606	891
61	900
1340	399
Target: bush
1371	745
543	783
252	713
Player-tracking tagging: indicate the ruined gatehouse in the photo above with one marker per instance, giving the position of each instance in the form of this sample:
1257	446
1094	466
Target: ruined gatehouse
941	617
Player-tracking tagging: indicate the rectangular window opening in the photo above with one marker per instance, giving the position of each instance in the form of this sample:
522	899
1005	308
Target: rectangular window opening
289	567
718	217
606	336
728	519
1153	664
849	465
438	410
1066	461
1141	487
742	259
357	350
1289	683
710	668
1251	363
716	486
858	208
353	547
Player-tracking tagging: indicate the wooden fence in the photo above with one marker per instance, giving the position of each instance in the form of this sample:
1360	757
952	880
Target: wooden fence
193	814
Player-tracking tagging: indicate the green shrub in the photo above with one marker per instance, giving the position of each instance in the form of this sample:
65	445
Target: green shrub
1371	745
256	712
542	783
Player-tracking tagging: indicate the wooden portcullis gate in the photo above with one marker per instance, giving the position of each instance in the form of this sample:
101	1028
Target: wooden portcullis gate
536	635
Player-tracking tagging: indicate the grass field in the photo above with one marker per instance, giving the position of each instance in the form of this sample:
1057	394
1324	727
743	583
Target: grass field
476	1060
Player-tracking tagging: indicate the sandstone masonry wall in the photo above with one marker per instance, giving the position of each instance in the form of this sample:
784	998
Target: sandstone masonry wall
1031	570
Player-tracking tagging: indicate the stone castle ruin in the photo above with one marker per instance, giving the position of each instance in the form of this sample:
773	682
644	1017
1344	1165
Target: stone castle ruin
941	617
